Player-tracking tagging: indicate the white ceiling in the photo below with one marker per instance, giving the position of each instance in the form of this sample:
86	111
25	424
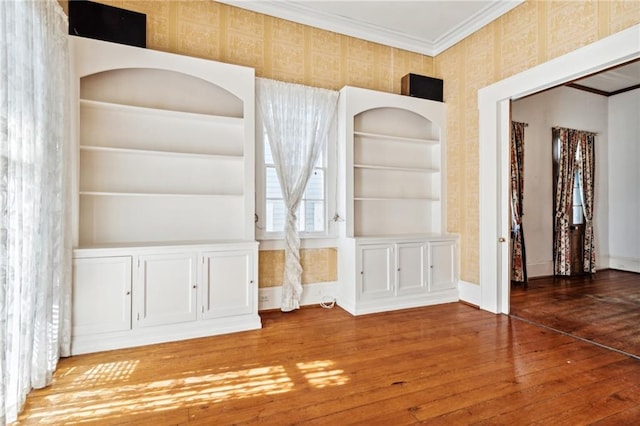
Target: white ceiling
428	27
614	80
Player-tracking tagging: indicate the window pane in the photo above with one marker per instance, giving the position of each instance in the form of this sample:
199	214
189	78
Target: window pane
273	184
275	216
315	187
314	216
577	199
268	157
320	161
577	215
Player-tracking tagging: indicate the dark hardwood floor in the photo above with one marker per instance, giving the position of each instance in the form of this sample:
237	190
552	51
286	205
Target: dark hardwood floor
449	364
604	309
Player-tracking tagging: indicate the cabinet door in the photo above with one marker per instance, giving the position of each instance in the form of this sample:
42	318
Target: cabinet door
442	265
166	289
101	295
410	270
376	271
227	284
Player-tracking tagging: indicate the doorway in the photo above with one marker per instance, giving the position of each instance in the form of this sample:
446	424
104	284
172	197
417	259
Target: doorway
494	112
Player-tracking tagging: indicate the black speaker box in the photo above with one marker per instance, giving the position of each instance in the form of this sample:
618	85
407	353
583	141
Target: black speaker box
420	86
100	21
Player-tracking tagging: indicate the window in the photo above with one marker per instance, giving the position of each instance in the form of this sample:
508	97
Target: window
577	210
311	212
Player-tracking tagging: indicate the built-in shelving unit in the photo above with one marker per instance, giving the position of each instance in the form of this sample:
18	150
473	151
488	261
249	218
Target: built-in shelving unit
393	170
164	154
165	179
395	164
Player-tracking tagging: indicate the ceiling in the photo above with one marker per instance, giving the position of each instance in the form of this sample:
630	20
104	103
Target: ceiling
611	82
428	27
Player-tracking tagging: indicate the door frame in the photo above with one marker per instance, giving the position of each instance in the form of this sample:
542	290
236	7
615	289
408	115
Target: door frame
494	104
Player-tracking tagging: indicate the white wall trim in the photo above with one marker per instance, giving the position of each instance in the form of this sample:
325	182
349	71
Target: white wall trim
304	14
473	24
624	263
494	179
540	269
312	294
305	243
469	292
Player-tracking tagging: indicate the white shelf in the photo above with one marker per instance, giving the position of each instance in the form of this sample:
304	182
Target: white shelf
396	168
106	149
123	218
395	199
396	138
138	171
160	112
156	195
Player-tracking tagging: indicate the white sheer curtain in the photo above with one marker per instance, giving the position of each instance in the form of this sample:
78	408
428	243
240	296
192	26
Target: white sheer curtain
297	120
35	246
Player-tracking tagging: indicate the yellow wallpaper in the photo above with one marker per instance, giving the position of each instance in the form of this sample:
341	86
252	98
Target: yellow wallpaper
530	34
319	265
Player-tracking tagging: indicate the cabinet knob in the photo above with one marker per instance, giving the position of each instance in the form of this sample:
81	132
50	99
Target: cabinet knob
361	272
128	293
431	266
194	286
251	282
398	269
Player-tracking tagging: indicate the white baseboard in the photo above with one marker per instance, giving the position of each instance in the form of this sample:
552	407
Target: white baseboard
469	293
540	269
630	264
312	294
545	269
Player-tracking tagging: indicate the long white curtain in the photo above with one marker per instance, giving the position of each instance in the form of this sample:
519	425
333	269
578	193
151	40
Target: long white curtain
35	246
297	120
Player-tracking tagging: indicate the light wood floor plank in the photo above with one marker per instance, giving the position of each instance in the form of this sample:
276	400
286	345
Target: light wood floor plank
446	364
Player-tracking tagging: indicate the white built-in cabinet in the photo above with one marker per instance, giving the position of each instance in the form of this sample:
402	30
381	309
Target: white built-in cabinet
394	252
164	235
142	295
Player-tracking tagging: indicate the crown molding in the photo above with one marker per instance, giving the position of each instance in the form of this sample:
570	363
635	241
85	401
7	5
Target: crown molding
299	12
474	23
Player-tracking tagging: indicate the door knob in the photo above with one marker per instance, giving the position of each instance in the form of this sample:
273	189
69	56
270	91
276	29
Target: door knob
501	240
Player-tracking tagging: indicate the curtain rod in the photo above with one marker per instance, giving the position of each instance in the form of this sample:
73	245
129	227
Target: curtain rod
577	130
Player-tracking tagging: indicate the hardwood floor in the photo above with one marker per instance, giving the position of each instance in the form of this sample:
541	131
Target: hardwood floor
604	309
447	364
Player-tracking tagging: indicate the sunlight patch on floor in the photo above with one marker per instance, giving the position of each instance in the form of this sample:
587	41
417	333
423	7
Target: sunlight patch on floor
107	372
115	401
320	375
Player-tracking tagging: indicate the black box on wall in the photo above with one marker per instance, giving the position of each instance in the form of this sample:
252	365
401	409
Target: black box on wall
108	23
420	86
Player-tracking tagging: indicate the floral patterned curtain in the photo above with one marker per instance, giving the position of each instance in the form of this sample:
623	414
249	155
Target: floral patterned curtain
518	254
568	141
587	165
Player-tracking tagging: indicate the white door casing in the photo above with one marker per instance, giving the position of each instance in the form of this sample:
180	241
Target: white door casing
494	147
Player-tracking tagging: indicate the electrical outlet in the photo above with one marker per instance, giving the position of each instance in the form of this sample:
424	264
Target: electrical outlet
264	298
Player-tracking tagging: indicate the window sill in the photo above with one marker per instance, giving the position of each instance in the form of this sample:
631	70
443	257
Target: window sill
307	242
